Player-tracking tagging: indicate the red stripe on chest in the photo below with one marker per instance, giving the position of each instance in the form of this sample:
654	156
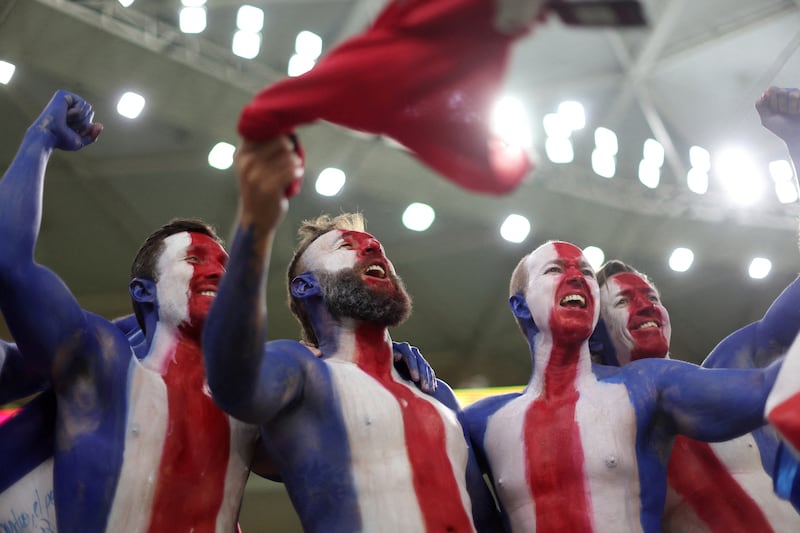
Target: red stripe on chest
434	483
554	454
191	477
696	473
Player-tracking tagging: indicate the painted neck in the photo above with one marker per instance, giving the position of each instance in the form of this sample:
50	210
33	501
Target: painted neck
557	364
170	346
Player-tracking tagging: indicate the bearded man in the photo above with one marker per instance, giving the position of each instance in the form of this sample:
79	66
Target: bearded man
358	447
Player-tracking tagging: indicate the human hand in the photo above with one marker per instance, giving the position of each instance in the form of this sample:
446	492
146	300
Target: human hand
67	122
268	172
418	368
779	110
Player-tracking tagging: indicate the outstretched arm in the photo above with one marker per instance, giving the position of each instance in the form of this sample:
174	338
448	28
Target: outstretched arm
28	290
246	379
779	110
712	404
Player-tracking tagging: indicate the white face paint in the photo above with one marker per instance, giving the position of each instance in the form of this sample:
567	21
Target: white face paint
174	276
638	324
562	291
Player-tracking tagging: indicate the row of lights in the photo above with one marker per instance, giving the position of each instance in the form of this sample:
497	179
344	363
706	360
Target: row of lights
246	42
741	176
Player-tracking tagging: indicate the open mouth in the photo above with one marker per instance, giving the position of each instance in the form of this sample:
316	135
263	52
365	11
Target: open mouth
375	271
647	325
208	293
573	300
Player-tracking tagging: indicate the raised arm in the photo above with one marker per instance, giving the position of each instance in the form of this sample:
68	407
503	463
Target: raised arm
246	379
711	404
760	343
779	110
42	315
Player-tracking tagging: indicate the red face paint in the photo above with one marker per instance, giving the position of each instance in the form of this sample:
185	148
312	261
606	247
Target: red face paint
371	262
648	321
208	260
573	314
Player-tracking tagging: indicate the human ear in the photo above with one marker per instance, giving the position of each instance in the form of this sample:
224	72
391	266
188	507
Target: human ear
142	290
519	307
304	286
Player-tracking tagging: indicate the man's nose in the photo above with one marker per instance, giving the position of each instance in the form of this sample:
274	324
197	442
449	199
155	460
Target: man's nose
370	246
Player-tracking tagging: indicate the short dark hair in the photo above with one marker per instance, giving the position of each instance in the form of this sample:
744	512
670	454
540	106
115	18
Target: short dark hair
144	264
309	231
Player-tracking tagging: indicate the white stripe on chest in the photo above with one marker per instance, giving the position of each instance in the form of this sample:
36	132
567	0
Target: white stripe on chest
607	426
375	430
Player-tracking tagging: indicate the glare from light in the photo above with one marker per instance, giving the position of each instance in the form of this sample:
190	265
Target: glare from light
595	256
246	44
653	152
555	126
786	191
6	72
193	3
649	174
697	180
130	105
330	181
559	150
740	176
603	163
418	216
781	170
509	121
250	18
681	259
193	19
759	268
299	65
573	114
606	140
308	44
126	3
221	156
515	228
700	158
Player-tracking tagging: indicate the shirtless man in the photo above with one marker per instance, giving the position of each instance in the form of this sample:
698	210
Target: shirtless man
359	448
584	447
140	445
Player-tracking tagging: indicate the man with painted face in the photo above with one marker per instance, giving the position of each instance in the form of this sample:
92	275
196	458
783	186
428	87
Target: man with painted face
358	447
584	447
139	444
722	486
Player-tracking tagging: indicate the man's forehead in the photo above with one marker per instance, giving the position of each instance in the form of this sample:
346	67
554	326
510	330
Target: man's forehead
184	241
630	281
555	251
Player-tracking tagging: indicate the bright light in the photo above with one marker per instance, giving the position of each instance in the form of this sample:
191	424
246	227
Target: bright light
418	217
573	114
606	140
740	176
697	180
786	191
781	170
653	152
603	163
700	158
595	256
308	44
250	18
6	72
246	44
509	121
299	65
559	150
192	19
193	3
130	105
649	173
330	181
681	259
515	228
126	3
555	126
221	156
759	268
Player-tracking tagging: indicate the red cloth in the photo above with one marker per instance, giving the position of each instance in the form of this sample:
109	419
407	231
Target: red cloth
426	73
5	414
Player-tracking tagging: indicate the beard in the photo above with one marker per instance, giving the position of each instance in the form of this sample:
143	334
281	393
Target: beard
347	296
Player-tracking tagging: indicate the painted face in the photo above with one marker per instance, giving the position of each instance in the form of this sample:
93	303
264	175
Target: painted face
637	323
562	291
189	271
338	250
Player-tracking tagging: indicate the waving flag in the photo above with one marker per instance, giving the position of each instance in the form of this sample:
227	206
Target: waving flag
425	74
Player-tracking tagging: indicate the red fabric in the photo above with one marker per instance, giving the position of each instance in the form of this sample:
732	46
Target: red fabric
5	414
426	74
